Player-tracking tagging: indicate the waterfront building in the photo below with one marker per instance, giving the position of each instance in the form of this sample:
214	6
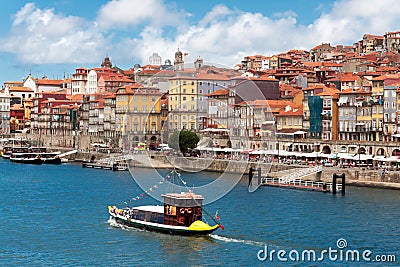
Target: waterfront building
312	109
390	86
16	117
4	113
63	123
96	115
377	107
183	104
220	110
138	114
252	88
52	118
288	118
329	113
363	114
355	115
208	82
109	118
38	125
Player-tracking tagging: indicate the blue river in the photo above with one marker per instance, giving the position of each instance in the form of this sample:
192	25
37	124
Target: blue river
57	216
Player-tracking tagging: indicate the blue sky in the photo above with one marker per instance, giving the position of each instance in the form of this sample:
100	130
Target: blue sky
53	38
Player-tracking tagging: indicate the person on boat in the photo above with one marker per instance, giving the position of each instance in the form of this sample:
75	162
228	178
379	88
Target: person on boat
114	209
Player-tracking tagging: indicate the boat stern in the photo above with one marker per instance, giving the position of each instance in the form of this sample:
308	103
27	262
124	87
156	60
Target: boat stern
200	226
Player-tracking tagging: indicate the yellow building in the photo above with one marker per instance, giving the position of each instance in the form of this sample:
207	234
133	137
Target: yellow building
138	114
183	104
377	107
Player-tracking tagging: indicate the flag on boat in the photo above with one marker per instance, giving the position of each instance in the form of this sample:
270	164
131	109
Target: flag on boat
216	216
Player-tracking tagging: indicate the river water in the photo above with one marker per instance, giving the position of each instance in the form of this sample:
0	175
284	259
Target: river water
57	216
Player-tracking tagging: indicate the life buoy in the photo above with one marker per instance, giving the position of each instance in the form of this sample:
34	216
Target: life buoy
189	210
182	210
181	220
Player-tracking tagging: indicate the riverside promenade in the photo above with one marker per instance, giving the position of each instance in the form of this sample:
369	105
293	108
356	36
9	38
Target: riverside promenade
154	159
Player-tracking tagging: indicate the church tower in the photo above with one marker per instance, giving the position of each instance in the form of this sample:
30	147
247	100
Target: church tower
106	62
198	63
178	62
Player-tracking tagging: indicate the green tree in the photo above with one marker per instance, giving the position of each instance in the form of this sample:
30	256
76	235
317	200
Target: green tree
183	140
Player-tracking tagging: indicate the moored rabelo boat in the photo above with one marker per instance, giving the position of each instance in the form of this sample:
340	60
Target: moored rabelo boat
26	158
181	215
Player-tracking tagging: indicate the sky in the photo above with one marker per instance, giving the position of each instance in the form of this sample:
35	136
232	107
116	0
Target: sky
53	38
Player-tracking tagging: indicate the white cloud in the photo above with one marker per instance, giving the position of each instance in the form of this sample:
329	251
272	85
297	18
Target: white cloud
223	35
42	36
349	20
123	13
226	35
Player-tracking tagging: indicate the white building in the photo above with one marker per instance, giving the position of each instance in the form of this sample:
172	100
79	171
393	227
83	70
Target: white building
155	59
4	113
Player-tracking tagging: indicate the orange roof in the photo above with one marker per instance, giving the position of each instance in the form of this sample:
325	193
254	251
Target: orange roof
77	97
20	89
295	110
351	91
49	82
17	107
219	92
329	92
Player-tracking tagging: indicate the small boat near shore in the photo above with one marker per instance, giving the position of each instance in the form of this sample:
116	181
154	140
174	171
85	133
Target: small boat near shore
26	158
50	157
115	166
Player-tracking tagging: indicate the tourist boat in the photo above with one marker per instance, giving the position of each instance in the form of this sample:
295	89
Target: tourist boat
105	165
6	153
27	158
50	157
181	215
120	166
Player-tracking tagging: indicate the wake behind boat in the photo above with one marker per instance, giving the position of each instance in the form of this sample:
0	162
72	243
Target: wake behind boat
181	214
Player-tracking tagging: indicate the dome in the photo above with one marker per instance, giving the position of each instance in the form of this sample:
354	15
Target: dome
136	66
168	62
178	54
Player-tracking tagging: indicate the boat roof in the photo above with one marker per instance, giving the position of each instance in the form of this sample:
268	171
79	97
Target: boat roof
158	209
183	195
